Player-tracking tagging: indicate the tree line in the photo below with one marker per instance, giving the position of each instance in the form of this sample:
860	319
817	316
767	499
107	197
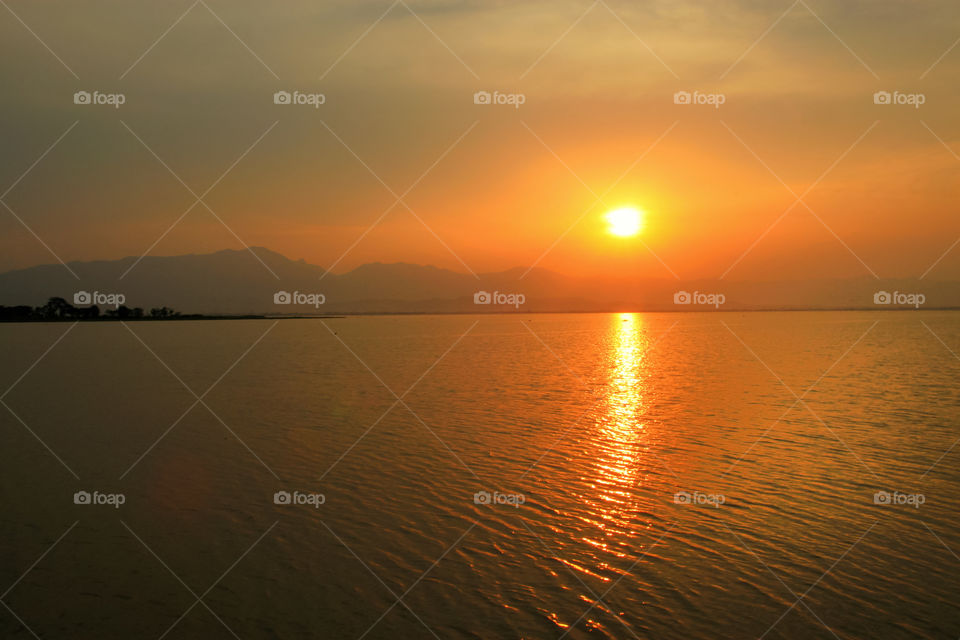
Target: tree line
60	309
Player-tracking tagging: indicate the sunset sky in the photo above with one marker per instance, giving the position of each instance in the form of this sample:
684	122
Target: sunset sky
505	186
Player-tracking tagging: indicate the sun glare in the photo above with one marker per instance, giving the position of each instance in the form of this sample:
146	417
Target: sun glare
624	222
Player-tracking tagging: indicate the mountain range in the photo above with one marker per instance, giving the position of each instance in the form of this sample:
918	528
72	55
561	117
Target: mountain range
239	282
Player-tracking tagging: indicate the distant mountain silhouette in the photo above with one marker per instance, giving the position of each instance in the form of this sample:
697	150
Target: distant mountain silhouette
235	282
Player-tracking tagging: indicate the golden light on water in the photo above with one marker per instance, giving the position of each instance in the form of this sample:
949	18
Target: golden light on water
625	397
620	433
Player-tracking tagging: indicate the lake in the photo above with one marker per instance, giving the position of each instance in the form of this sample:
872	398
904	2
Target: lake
676	475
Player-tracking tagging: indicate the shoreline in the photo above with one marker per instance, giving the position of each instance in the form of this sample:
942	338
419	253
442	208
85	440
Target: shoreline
200	317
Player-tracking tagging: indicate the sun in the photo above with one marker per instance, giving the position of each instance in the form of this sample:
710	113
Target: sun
624	222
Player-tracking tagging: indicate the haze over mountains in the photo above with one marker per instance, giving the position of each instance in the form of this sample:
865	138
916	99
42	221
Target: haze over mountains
236	282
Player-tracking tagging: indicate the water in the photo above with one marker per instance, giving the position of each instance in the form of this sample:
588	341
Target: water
780	428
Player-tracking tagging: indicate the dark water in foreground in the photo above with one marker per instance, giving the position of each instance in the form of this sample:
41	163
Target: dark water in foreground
681	476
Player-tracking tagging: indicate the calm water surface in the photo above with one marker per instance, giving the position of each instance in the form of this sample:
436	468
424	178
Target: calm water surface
681	476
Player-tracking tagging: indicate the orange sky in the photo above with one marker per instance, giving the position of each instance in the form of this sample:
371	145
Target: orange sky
511	186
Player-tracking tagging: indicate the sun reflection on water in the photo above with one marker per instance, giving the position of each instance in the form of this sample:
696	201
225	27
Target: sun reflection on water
620	438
